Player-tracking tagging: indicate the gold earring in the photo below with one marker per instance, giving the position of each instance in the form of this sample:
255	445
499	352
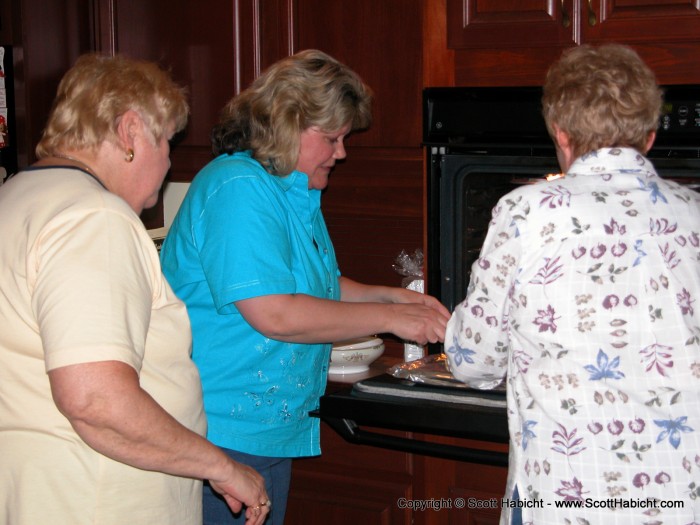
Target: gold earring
129	155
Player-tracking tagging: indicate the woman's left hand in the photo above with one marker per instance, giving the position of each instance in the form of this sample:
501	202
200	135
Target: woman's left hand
404	295
241	484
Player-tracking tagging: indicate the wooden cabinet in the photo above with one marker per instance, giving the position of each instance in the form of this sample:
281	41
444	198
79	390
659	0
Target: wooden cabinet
350	484
373	204
212	50
9	30
200	47
513	42
503	24
472	492
638	21
47	35
541	23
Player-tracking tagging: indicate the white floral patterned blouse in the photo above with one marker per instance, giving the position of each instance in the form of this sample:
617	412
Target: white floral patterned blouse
586	294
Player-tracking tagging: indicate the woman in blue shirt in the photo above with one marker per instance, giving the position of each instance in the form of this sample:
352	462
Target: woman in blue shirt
250	255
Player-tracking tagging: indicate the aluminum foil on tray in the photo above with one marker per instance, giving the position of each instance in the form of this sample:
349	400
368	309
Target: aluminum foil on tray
431	370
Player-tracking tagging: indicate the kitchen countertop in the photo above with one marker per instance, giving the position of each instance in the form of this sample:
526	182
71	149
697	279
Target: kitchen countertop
460	413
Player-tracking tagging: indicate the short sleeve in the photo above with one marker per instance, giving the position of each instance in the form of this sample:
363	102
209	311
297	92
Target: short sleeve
92	292
242	237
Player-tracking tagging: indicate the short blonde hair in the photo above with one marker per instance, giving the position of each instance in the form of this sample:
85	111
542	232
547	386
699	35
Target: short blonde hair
602	97
307	89
98	90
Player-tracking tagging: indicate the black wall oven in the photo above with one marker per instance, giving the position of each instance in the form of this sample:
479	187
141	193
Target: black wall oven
483	142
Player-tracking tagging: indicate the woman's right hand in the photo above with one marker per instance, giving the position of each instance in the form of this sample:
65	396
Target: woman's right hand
418	323
244	486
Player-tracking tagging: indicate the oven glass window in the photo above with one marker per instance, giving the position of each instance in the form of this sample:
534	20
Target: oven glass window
470	188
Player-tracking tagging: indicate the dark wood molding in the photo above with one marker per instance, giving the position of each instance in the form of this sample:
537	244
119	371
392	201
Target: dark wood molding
438	59
674	63
104	26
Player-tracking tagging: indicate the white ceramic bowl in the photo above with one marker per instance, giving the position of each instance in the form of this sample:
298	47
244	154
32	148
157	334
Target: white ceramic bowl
355	355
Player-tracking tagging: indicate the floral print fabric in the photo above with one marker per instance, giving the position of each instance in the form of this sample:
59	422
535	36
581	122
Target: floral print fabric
586	294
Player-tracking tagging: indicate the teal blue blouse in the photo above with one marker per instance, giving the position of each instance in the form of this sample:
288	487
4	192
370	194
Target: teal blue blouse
243	233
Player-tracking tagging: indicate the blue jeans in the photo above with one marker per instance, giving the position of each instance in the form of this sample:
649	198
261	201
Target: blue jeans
277	473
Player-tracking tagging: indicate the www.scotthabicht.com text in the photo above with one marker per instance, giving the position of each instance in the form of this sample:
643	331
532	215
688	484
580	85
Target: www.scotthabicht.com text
437	504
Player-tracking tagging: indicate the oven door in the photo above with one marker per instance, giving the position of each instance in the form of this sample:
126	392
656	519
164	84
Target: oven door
468	188
385	402
463	188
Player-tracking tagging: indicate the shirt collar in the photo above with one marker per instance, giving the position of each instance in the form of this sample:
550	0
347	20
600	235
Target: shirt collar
612	160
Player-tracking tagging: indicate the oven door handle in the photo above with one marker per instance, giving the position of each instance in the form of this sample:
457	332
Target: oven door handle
352	433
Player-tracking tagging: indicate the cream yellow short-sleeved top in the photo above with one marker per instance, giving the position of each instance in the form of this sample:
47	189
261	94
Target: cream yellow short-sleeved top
81	282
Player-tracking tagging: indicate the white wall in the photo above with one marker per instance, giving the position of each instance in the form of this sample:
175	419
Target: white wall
172	198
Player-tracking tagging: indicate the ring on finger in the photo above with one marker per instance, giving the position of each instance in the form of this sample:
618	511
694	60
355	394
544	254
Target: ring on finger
267	503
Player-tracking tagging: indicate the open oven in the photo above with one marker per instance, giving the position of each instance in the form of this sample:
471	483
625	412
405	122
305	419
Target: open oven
483	142
480	143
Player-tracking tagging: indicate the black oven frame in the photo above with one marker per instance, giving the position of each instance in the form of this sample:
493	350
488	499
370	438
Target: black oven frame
493	129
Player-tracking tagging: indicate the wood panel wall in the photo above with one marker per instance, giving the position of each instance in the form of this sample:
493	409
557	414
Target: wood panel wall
48	36
375	201
374	204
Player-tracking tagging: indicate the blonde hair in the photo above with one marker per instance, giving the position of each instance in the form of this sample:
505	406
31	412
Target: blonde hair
602	97
98	90
307	89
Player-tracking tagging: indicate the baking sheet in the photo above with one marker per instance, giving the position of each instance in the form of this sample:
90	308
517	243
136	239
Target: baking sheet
389	386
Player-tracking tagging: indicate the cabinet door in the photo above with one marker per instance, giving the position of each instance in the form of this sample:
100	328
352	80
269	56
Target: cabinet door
7	31
510	23
639	21
351	484
196	44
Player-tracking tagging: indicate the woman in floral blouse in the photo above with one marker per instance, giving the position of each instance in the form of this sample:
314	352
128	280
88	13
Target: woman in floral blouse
586	297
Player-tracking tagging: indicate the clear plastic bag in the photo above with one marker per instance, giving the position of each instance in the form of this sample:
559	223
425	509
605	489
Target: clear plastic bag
411	267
